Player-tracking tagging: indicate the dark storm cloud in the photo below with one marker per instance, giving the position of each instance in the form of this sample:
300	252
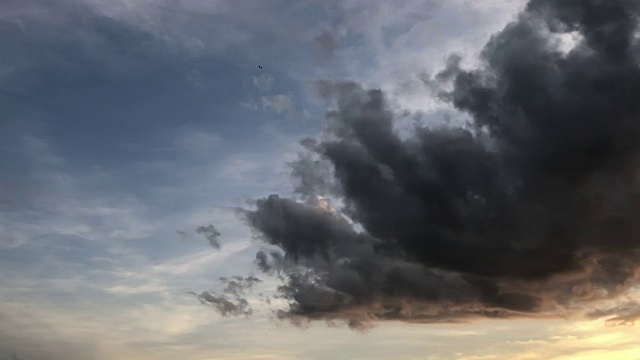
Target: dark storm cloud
529	210
211	234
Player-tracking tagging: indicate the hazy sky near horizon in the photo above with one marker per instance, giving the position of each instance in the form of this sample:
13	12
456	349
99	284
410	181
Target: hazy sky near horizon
127	124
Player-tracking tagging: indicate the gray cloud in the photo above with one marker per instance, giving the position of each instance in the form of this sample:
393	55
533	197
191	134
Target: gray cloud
314	174
230	301
183	234
270	263
262	82
528	210
326	46
626	319
211	234
624	314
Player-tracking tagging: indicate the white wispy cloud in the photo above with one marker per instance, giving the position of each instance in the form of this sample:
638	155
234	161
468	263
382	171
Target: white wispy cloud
279	103
263	82
197	142
195	264
60	206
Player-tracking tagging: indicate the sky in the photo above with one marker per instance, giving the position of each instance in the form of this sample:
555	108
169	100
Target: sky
410	179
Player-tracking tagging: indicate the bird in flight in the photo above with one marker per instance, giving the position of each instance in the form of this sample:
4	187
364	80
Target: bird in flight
260	66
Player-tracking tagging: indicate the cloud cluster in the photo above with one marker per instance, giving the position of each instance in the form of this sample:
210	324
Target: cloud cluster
528	210
230	301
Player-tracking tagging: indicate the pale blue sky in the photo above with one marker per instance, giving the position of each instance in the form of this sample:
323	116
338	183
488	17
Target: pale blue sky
125	121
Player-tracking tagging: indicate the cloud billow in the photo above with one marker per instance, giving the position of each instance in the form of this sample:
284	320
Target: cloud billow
529	210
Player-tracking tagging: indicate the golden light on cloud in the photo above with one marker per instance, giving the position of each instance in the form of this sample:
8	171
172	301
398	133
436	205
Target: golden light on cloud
324	204
590	340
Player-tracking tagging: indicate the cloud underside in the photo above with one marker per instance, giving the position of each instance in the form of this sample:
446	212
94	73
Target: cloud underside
529	210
